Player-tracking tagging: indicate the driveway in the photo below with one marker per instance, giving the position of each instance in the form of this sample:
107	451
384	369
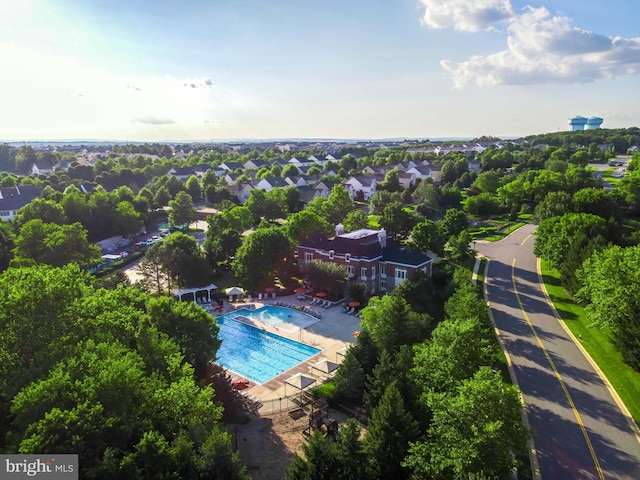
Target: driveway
579	431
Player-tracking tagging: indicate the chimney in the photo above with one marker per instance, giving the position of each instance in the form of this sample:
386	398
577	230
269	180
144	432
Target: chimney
382	238
339	229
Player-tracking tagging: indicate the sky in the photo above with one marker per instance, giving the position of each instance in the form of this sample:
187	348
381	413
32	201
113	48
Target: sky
202	70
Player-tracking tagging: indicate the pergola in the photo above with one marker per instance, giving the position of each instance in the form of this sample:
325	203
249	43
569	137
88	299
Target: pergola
197	294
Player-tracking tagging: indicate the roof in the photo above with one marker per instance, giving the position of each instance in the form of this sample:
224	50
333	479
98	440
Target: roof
361	243
14	198
403	254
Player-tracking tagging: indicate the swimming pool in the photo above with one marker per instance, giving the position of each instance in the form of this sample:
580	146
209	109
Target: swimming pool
282	318
256	354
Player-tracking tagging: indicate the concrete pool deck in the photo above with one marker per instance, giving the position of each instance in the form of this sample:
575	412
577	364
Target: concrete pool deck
331	334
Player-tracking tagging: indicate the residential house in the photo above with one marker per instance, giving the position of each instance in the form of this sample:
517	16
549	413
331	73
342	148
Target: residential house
420	171
201	169
230	166
13	199
181	173
407	179
41	168
255	164
296	181
360	183
323	188
269	183
368	256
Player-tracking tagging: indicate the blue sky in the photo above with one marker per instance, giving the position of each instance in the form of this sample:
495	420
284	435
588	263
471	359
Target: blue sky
234	69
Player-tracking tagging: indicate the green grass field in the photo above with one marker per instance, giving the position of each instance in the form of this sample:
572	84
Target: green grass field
597	341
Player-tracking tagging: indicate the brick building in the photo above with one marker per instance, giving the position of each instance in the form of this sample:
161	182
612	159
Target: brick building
369	256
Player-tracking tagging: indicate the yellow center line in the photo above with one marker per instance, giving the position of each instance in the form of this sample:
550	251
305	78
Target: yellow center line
525	240
555	371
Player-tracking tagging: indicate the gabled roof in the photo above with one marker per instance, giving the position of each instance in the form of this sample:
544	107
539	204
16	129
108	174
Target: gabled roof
404	255
14	198
182	171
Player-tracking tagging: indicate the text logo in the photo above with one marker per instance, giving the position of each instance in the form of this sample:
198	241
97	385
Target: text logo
50	467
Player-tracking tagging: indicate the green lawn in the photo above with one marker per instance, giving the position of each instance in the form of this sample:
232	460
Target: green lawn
597	341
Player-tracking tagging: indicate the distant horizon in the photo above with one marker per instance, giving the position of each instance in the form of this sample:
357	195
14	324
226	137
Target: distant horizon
204	71
285	139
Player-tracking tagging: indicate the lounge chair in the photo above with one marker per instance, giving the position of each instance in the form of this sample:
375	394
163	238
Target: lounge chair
315	301
353	311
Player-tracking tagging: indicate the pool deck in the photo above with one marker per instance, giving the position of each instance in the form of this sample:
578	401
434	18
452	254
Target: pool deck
331	334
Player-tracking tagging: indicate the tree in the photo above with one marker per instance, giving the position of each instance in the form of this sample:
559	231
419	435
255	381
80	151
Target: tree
193	187
260	254
341	459
397	222
54	244
355	221
554	204
475	430
391	323
390	430
613	299
152	269
488	181
350	379
181	210
455	351
596	201
183	261
454	222
459	248
6	245
427	237
221	245
327	276
304	224
337	206
555	235
427	193
290	170
483	205
46	210
127	221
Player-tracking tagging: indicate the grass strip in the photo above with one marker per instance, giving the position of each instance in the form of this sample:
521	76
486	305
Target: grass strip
596	341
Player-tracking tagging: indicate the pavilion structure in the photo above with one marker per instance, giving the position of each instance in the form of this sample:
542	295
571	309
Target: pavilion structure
197	294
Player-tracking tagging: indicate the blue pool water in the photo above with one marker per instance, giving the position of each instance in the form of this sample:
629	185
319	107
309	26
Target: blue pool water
282	317
256	354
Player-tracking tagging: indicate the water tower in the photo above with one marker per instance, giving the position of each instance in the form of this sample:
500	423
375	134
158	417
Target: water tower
594	123
577	123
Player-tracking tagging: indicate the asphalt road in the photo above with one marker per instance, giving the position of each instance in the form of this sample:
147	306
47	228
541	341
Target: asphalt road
579	431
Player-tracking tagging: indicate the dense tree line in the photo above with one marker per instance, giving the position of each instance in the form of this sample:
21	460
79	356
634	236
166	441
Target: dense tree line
110	375
436	407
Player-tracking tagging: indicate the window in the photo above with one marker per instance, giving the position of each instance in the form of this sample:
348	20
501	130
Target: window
350	270
401	273
308	257
383	285
347	257
383	269
363	272
373	272
331	254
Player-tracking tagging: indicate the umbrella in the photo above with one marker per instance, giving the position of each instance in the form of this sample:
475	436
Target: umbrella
299	290
299	381
321	294
325	366
354	304
270	289
234	291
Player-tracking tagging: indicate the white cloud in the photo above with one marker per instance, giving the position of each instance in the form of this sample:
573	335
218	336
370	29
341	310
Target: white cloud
466	15
546	49
152	120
